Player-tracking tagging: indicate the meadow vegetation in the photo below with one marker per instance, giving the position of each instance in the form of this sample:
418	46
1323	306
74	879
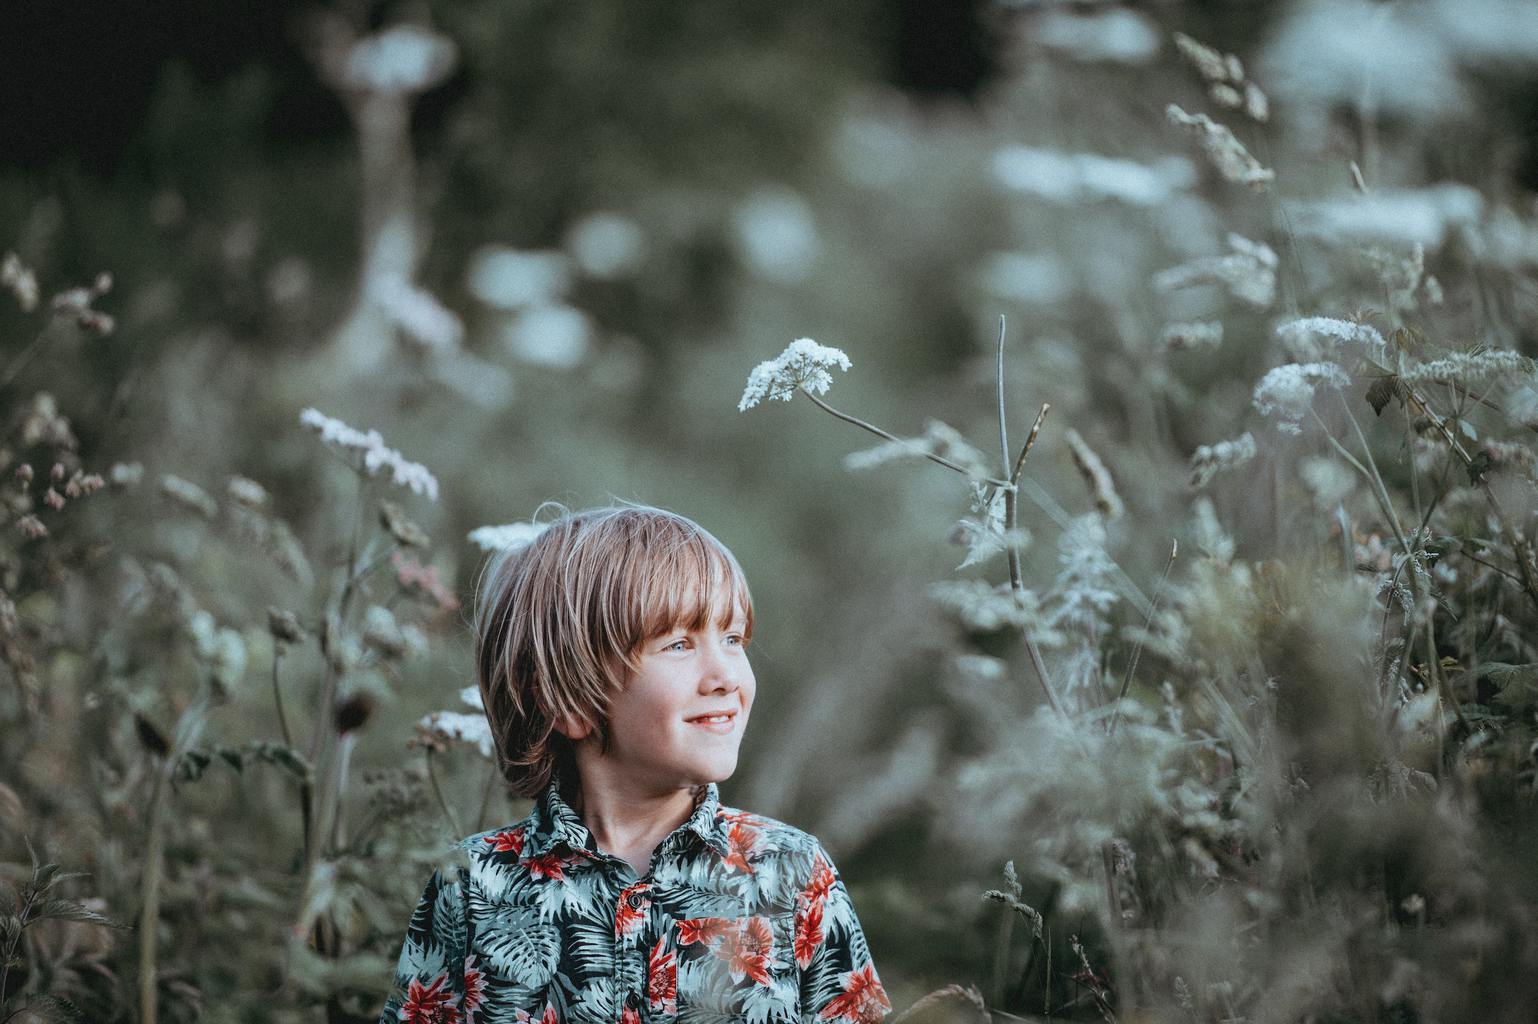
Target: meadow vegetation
1170	656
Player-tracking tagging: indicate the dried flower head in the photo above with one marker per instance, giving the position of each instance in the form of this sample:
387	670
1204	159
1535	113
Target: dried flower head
1287	392
1095	475
1210	460
1225	151
398	525
247	492
1179	337
1224	75
284	626
804	365
18	278
1248	271
189	496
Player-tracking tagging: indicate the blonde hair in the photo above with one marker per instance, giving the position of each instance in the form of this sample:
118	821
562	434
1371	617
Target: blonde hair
559	622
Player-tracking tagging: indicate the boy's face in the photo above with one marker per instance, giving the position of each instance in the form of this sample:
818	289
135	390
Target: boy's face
680	717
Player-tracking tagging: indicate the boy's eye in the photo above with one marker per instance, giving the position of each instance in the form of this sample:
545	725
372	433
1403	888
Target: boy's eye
677	645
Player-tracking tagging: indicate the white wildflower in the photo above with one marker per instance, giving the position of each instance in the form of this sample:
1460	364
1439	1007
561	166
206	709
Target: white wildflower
1060	177
376	455
1248	271
506	278
983	607
1210	460
1327	479
776	234
1113	34
1287	392
506	537
804	364
1300	337
983	666
556	336
1029	278
1225	151
1179	337
401	59
1081	594
420	316
461	727
1401	217
1472	368
1211	539
606	245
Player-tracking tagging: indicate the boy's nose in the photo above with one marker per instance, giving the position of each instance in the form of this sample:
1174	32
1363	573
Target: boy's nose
719	675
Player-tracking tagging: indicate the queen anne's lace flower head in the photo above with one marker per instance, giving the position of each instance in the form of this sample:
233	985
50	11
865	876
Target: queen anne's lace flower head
1302	337
805	364
1287	392
376	455
506	537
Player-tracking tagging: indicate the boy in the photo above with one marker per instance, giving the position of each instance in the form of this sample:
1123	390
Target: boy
611	658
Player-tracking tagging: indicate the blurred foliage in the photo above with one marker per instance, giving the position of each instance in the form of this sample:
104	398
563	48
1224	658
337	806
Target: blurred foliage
540	246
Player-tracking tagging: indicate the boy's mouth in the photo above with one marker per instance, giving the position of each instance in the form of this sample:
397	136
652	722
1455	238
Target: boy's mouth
717	720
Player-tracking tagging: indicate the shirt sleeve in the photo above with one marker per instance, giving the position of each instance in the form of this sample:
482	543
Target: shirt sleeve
430	974
838	979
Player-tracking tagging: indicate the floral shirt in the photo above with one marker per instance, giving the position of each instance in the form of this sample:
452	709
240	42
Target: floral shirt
740	918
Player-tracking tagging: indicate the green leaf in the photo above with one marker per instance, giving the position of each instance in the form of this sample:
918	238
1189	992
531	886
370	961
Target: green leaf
69	910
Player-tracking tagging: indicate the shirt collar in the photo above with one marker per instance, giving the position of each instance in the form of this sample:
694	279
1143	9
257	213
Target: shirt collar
555	823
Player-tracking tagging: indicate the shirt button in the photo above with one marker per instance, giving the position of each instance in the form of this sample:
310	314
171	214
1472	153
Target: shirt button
635	900
633	1000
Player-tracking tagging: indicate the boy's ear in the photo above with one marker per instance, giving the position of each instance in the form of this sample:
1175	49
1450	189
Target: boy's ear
572	729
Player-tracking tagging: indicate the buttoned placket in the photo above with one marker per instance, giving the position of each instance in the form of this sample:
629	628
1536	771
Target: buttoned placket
631	895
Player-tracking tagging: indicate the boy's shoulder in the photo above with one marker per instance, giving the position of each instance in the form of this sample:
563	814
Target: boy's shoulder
760	835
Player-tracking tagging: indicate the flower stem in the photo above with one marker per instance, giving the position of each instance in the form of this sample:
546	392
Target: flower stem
432	777
277	693
931	456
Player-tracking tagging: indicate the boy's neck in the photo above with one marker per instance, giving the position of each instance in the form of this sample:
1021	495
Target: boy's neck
629	820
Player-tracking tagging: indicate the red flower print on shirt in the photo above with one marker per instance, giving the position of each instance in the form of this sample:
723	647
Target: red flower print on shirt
662	980
747	950
709	930
549	866
739	843
507	841
475	984
528	1018
630	1015
821	883
429	1004
627	918
808	933
863	1000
